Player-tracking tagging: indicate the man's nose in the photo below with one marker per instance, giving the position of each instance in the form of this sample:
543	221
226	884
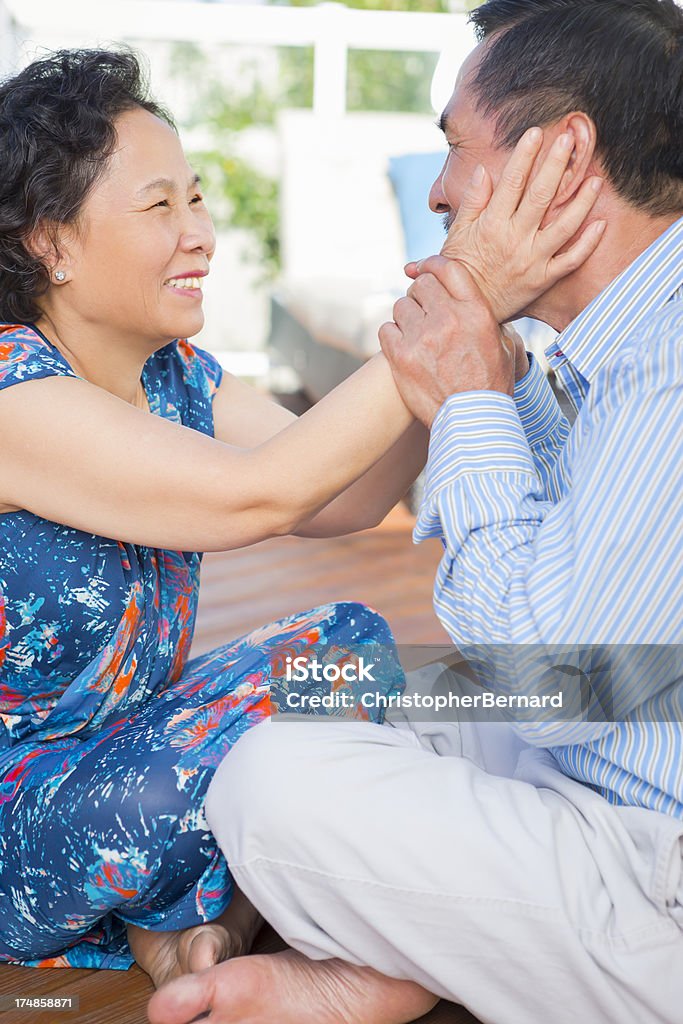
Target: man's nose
437	200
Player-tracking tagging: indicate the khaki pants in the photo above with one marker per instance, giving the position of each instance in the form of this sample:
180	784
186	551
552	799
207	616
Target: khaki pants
457	857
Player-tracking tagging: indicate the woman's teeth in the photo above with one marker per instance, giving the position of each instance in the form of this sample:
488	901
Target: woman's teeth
184	282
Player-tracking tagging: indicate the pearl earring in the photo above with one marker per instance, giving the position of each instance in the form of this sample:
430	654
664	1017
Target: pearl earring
59	275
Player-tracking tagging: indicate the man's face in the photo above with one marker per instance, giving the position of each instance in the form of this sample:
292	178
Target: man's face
469	136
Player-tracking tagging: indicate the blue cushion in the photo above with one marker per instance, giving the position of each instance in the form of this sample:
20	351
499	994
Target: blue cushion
412	176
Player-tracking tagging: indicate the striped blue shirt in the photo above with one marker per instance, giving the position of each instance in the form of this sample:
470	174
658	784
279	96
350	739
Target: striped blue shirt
574	536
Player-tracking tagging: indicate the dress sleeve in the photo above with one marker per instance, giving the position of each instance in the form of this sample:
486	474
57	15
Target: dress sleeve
24	355
182	381
212	368
207	365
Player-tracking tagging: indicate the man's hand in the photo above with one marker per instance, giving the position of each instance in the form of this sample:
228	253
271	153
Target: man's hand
446	339
498	233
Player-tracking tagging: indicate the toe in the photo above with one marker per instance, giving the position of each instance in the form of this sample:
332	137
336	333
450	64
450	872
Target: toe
182	1000
209	946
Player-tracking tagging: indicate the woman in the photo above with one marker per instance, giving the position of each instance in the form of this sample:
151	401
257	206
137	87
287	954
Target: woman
109	736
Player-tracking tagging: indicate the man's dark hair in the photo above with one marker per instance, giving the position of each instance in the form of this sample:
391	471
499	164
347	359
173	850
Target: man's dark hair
619	61
57	132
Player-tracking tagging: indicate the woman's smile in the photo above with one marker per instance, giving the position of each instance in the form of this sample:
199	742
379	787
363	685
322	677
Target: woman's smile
187	285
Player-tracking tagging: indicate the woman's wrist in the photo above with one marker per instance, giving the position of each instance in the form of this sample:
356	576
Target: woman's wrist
384	371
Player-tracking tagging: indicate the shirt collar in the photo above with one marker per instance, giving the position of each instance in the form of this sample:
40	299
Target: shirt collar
593	337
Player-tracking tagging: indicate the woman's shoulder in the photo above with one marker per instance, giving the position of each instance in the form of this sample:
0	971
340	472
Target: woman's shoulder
195	368
180	381
26	354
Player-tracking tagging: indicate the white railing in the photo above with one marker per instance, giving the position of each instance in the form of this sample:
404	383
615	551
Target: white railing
330	28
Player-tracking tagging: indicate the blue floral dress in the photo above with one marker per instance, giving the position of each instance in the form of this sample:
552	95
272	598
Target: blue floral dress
109	736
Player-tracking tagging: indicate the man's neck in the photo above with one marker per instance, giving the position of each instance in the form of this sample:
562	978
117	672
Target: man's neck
625	238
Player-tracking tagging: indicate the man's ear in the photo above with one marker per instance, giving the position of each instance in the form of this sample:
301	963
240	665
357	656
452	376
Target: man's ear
582	161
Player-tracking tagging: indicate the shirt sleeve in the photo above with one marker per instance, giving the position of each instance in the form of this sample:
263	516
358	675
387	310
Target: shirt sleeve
598	567
24	355
545	425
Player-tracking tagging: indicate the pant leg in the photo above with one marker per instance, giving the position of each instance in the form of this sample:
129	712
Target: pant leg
111	829
526	899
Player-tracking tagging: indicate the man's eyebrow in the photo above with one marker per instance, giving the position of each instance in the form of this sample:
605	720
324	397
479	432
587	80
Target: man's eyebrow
165	183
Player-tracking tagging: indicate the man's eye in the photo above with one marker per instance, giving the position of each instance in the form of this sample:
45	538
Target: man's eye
162	202
197	199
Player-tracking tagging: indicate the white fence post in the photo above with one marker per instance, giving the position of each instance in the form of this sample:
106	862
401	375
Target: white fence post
330	61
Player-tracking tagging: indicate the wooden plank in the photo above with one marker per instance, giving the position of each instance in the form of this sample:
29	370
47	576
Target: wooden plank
104	997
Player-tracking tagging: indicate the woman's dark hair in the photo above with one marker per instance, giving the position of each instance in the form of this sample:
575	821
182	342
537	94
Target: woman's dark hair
57	132
619	61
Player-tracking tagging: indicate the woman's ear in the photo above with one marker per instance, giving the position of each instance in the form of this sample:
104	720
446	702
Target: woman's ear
49	244
582	161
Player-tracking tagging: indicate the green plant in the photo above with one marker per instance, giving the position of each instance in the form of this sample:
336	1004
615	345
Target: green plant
243	197
239	194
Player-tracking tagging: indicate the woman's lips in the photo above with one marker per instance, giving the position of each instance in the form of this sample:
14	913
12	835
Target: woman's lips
188	286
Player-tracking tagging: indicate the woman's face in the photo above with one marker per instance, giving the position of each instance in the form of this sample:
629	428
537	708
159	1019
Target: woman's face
144	240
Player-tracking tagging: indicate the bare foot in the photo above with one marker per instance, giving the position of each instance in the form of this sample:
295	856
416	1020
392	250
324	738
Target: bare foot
290	989
169	955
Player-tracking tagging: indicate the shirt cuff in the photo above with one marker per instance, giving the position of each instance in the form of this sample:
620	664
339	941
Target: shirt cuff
473	433
539	411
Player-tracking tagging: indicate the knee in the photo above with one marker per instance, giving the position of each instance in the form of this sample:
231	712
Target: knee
264	783
363	622
158	796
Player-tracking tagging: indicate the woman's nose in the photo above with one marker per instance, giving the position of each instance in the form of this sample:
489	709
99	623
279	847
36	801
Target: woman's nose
198	234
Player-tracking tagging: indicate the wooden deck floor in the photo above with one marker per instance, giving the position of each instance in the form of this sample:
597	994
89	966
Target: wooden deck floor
382	568
242	590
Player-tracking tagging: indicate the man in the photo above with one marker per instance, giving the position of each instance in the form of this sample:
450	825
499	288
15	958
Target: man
539	877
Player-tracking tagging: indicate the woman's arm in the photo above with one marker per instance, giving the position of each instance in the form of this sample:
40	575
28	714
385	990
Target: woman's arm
244	417
77	455
366	502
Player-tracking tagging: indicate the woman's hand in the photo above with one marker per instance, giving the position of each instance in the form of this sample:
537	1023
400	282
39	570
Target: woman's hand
498	234
445	340
516	342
